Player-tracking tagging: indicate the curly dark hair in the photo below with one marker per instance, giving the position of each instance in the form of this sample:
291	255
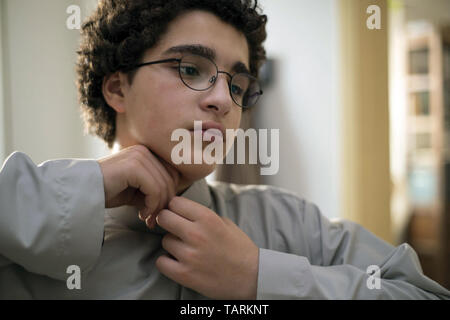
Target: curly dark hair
115	37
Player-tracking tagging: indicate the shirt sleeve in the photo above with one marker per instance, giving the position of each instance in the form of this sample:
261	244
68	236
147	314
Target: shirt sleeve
51	215
341	260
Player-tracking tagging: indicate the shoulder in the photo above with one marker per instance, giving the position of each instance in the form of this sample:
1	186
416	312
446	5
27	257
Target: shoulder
268	200
232	192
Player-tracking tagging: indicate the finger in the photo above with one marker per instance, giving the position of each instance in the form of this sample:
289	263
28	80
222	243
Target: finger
167	173
145	215
162	197
143	180
154	161
174	174
186	208
150	219
164	180
163	176
174	223
138	200
129	196
171	268
174	246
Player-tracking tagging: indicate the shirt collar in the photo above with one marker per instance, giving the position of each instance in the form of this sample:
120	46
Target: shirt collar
128	216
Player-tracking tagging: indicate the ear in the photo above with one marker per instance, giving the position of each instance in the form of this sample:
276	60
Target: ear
114	86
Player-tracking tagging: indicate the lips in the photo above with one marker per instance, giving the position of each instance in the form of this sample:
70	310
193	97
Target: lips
206	125
219	130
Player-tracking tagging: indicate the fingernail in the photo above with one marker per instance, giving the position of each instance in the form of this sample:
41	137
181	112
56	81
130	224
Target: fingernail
148	220
140	215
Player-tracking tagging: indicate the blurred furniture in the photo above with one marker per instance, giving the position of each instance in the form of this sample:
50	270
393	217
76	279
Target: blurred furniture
428	139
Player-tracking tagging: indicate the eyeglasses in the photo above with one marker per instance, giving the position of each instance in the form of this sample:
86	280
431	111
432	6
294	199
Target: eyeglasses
200	73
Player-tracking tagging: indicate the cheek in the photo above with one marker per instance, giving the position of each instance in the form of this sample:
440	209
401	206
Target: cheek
160	109
158	103
235	119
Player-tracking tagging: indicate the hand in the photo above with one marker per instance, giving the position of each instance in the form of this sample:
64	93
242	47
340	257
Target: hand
210	254
136	177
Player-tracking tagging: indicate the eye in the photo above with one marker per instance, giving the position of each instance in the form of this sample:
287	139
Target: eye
189	70
236	90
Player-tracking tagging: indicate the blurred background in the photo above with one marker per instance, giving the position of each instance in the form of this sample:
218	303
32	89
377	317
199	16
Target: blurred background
364	114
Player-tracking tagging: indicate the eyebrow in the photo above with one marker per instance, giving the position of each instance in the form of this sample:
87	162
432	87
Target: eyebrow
206	52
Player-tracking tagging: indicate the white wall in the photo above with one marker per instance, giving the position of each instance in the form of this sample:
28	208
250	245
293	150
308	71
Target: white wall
303	104
41	108
2	120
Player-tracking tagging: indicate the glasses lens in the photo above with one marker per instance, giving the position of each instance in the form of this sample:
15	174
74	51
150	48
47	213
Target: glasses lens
245	90
197	72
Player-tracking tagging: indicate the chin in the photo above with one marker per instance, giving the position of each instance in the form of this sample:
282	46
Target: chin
194	172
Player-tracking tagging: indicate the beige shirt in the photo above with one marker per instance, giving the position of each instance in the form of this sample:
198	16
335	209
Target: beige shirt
52	216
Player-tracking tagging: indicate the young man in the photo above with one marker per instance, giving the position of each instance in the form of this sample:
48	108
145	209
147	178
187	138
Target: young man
140	226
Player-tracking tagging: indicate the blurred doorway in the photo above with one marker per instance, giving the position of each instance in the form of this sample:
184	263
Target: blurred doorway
420	130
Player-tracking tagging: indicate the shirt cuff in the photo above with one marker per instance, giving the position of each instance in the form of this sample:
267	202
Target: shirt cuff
83	203
281	275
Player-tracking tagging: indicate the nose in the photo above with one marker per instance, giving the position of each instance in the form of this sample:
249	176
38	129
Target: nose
217	98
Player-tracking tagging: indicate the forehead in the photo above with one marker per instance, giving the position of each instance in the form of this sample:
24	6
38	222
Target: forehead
203	28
